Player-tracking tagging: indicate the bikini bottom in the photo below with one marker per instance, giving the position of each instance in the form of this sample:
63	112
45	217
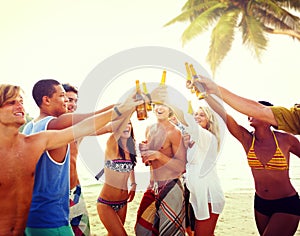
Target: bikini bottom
116	205
289	205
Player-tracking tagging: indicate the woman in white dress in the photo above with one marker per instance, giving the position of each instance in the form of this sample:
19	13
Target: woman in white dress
206	195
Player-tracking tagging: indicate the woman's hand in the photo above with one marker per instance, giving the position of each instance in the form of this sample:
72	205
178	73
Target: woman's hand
188	143
131	193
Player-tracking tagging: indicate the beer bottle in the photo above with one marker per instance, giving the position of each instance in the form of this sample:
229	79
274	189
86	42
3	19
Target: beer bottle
189	83
200	91
163	78
190	108
148	104
141	110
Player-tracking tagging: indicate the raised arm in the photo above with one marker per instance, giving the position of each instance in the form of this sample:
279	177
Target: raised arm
58	138
238	131
68	119
295	145
241	104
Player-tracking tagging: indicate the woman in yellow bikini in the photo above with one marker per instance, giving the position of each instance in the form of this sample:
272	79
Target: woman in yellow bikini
276	202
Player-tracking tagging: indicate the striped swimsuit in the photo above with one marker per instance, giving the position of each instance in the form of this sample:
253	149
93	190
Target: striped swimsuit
278	161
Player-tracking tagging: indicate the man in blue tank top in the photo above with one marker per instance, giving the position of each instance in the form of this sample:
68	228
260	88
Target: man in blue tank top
49	211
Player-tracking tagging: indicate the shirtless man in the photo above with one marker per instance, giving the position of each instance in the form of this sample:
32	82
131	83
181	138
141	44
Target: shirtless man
165	153
79	218
19	154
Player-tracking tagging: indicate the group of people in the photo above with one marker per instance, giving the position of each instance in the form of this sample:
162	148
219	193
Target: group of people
36	164
39	170
171	152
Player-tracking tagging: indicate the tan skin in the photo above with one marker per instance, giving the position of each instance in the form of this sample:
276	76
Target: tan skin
241	104
115	186
19	155
164	149
187	143
267	182
57	106
72	99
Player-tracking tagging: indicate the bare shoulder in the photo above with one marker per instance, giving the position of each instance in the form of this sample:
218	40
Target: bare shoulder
111	147
281	134
284	137
61	122
174	133
173	130
34	139
32	145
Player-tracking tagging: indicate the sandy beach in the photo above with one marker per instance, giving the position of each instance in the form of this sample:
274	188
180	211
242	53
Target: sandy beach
236	220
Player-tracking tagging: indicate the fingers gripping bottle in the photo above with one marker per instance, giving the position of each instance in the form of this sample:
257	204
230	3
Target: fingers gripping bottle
200	91
141	110
189	82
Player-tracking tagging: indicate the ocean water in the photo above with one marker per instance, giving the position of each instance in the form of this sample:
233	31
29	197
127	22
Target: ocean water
233	170
232	166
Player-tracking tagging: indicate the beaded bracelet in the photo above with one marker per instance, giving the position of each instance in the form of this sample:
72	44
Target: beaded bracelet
133	184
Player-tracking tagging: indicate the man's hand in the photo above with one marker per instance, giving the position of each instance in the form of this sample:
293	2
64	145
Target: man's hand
159	94
208	84
128	105
149	155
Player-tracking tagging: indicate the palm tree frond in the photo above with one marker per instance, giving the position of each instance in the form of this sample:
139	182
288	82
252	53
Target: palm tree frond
253	35
185	16
203	21
267	11
290	4
222	38
192	11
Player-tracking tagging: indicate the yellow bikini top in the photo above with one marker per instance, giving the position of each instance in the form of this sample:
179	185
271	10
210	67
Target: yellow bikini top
278	161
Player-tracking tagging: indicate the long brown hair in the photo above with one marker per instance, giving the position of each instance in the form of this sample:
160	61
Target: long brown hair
130	145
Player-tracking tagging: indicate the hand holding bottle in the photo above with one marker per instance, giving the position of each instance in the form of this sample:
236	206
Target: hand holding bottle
144	147
210	86
141	109
192	78
128	105
159	94
148	97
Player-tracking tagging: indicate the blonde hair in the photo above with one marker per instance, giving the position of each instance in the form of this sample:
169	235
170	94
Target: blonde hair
213	124
8	91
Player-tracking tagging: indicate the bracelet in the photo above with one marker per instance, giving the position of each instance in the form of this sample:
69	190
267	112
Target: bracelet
133	184
117	111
